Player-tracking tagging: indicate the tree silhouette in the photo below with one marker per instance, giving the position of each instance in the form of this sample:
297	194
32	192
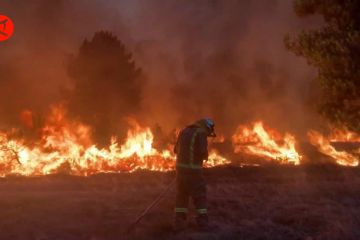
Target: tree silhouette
106	84
334	50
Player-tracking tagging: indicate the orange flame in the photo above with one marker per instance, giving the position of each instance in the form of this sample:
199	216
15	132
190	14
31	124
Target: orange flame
324	146
219	139
215	159
67	146
342	135
266	143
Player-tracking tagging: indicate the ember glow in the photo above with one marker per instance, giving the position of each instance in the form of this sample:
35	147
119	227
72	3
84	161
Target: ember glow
269	144
324	146
67	146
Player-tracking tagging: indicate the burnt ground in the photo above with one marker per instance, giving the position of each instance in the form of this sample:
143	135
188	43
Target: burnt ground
272	202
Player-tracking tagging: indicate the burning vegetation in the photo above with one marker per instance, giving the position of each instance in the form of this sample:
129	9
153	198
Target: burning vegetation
64	145
101	84
115	102
268	144
324	145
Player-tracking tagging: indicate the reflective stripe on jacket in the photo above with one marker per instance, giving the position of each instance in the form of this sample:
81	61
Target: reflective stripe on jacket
191	148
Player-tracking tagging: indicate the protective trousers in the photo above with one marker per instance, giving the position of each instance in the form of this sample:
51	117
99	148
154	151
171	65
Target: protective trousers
191	185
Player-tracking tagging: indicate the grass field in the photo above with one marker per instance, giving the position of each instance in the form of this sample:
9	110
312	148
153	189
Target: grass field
272	202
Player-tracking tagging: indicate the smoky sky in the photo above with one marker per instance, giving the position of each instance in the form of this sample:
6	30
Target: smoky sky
219	59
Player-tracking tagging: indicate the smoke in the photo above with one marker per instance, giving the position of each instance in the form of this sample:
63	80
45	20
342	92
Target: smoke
226	59
219	59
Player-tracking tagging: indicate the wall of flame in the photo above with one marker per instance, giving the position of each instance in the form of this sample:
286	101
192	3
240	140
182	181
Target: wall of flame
66	145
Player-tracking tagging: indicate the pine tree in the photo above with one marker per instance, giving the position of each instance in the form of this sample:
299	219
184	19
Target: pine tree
106	84
334	49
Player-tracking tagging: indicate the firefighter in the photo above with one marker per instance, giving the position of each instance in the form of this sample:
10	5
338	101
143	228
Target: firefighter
191	150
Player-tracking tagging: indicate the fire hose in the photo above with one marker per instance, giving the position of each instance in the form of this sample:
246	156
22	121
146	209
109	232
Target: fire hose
154	203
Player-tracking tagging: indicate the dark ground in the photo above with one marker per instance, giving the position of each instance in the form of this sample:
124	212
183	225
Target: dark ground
273	202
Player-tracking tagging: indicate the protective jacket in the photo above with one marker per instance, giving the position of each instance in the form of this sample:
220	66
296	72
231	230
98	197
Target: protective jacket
191	149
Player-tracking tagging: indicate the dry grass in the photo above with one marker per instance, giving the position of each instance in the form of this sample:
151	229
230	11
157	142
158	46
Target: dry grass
273	202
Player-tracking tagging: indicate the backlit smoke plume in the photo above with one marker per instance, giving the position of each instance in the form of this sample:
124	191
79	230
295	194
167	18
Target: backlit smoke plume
222	59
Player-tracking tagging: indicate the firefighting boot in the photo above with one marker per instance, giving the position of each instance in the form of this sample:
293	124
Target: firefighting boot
179	222
203	222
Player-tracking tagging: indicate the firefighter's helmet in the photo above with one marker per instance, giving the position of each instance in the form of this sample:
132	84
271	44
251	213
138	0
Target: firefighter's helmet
209	125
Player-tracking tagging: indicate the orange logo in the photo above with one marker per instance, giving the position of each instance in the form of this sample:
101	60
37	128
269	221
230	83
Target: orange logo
6	28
